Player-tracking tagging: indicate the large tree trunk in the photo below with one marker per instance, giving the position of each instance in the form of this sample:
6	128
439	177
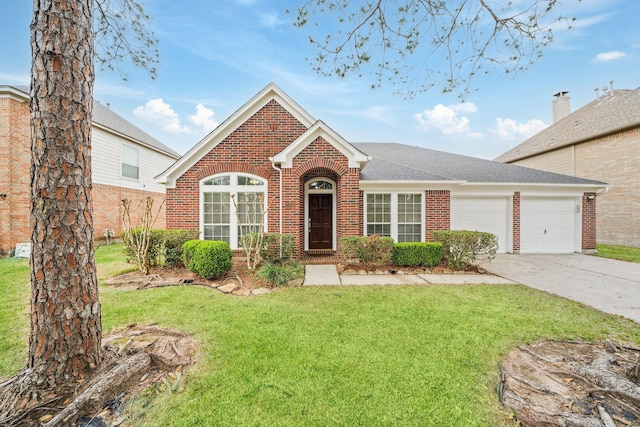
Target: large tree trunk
65	339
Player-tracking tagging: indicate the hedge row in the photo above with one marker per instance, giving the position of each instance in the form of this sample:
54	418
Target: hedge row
414	254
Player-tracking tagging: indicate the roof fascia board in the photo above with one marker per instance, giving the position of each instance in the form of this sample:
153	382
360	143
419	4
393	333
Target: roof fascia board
408	185
356	158
131	139
9	92
209	142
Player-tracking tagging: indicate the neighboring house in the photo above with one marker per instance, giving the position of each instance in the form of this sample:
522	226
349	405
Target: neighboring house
599	141
124	160
319	187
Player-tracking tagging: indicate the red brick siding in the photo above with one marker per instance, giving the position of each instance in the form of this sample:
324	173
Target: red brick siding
246	149
437	212
516	222
15	176
320	159
107	208
589	221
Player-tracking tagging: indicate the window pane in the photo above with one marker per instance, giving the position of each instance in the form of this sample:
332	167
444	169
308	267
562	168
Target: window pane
247	180
219	180
409	217
216	232
320	185
409	233
379	214
250	208
130	162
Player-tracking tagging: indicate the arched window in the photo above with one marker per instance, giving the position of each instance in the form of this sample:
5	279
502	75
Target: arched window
220	195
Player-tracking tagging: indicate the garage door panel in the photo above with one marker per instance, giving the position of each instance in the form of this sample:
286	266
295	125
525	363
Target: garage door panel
547	225
489	214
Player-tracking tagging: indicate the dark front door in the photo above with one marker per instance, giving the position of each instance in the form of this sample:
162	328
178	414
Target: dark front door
320	221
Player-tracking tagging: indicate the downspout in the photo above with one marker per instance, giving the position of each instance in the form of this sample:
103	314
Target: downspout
273	165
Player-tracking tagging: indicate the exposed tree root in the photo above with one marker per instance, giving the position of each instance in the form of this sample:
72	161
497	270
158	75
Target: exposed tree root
572	384
136	357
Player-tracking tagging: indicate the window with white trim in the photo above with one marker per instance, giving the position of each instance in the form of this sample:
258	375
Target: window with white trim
130	165
219	219
398	215
379	214
409	218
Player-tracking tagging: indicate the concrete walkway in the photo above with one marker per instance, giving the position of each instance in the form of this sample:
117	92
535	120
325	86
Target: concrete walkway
327	274
608	285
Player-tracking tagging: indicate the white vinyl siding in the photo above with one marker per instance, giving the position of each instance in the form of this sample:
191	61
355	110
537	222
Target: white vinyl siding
106	166
548	225
489	214
398	215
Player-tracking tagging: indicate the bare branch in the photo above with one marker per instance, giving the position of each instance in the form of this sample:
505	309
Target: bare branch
420	44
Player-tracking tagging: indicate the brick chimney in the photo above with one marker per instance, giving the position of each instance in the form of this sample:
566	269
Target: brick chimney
561	106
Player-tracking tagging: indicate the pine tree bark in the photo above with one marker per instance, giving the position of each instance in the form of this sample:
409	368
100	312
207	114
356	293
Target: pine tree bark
65	336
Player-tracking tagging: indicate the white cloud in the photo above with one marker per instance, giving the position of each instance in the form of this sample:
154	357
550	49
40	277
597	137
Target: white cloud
510	130
609	56
271	20
203	118
449	120
158	112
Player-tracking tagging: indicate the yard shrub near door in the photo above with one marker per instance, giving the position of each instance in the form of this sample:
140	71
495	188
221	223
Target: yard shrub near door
211	259
463	247
414	254
188	252
368	249
277	247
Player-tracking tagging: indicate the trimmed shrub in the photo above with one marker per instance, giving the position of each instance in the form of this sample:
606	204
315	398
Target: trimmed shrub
413	254
463	247
280	274
211	258
368	249
172	245
188	252
165	246
271	247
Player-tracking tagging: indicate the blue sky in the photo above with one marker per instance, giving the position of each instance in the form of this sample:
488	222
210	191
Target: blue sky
214	56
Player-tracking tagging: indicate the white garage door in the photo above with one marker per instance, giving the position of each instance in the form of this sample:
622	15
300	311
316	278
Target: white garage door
547	225
488	214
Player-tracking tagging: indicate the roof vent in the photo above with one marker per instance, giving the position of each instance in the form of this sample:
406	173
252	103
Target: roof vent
561	106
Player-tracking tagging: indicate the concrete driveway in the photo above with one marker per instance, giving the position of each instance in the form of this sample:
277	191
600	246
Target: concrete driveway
608	285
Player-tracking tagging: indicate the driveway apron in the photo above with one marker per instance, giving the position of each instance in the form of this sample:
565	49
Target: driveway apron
607	285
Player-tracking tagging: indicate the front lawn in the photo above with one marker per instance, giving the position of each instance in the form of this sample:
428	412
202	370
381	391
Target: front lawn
623	253
350	356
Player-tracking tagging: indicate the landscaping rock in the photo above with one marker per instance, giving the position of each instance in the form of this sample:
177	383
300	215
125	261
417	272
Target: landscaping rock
261	291
227	289
296	283
242	292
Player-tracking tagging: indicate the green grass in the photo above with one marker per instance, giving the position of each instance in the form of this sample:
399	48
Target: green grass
348	356
623	253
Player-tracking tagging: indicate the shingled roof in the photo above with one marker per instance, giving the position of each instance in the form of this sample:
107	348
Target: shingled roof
104	116
399	162
615	111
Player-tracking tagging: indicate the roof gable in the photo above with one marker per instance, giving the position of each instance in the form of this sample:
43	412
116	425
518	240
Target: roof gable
215	137
105	118
319	129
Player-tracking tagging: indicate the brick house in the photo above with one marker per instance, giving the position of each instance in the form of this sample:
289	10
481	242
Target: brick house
601	141
124	161
272	155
